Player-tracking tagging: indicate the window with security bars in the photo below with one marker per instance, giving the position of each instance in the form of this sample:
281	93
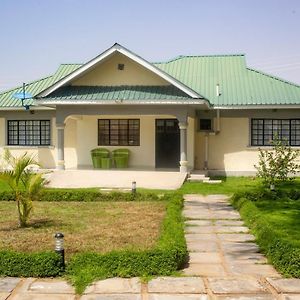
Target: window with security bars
28	132
263	131
119	132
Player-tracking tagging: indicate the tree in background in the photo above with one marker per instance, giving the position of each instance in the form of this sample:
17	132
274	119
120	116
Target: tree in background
25	184
278	164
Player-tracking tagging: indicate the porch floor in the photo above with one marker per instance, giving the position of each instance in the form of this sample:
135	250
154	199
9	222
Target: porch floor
167	180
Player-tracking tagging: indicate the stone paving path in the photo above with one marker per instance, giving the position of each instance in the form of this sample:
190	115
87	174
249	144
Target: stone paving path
225	263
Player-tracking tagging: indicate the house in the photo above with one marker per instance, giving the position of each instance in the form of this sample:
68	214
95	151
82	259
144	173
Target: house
192	112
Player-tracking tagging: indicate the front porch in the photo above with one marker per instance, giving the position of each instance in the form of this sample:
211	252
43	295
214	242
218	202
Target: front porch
161	137
116	179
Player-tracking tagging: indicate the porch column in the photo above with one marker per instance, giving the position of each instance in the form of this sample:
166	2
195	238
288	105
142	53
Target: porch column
60	146
183	147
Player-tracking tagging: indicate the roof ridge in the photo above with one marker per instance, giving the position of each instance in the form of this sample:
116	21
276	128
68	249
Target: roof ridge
200	55
274	77
31	82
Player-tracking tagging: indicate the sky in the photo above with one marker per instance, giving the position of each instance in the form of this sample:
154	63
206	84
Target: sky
38	35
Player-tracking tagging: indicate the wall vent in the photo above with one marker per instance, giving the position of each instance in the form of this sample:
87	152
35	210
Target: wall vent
121	67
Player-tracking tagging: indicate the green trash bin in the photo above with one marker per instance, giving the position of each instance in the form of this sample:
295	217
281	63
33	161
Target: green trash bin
105	162
97	154
121	158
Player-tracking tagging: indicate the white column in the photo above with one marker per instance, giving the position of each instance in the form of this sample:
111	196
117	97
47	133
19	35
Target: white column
183	147
60	146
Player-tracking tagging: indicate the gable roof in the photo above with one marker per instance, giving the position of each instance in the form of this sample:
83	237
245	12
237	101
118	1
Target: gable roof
240	86
102	57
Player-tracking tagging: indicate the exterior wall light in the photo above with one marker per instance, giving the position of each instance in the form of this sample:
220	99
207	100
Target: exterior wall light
59	248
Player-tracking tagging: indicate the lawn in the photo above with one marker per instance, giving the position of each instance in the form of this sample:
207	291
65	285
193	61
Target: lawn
88	226
284	217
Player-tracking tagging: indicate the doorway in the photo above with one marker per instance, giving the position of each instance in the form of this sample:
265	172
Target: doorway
167	143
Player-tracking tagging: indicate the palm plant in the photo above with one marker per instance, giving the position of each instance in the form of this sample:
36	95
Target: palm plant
25	184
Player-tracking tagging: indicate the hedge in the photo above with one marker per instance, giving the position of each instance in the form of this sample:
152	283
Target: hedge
16	264
85	195
280	252
169	255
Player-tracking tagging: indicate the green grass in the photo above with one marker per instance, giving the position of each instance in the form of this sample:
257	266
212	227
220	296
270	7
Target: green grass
229	186
283	216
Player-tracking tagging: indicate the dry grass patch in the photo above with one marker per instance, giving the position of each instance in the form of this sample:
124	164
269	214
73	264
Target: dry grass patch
93	226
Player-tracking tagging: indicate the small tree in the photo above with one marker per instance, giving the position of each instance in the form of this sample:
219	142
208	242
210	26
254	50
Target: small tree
278	164
25	184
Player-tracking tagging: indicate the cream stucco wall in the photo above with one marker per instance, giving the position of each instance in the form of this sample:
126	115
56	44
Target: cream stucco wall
228	150
107	73
84	132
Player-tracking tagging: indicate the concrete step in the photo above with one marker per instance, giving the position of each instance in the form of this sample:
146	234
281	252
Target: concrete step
211	181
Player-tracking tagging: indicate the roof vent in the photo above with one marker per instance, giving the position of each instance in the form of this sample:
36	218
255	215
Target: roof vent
121	67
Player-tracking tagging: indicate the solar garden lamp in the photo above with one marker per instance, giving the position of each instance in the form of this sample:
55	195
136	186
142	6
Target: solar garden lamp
133	187
23	96
59	247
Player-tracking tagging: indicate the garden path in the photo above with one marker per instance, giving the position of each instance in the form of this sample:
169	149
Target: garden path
225	263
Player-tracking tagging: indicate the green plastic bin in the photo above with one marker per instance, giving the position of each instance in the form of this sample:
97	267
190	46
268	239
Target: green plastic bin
121	158
97	154
105	162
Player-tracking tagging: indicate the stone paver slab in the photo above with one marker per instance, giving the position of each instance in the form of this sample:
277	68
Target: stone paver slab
291	297
191	237
200	229
285	285
31	296
237	247
199	223
212	270
177	297
112	297
235	286
7	284
115	286
231	229
236	237
51	287
254	270
246	297
176	285
200	246
229	223
205	258
4	296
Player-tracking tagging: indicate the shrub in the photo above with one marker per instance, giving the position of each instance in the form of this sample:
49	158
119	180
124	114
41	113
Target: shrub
25	185
43	264
169	255
281	253
53	195
277	164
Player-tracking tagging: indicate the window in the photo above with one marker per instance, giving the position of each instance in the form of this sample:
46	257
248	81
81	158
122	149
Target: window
205	124
119	132
28	132
263	131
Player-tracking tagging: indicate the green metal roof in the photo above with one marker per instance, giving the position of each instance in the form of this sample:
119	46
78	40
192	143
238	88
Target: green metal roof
35	87
117	93
238	84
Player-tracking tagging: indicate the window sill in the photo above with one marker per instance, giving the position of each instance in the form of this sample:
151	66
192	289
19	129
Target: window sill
254	148
27	147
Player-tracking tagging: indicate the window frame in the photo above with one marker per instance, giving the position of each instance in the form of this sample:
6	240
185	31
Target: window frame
47	137
291	142
211	124
119	135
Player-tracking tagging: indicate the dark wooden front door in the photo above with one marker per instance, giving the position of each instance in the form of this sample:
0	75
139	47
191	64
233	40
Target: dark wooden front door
167	143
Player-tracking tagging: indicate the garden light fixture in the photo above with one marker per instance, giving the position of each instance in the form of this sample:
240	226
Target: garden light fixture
59	247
